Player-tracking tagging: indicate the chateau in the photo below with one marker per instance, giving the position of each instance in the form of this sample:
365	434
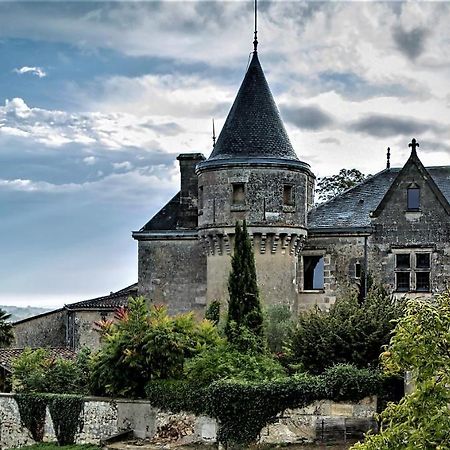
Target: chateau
394	226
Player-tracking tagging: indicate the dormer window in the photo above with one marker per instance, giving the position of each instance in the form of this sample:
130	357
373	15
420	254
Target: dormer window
413	198
238	193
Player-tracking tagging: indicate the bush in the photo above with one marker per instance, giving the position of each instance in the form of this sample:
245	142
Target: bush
212	312
65	411
225	362
349	333
145	344
279	327
38	371
243	408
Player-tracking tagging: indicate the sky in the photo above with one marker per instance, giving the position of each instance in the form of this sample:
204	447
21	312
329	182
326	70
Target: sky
97	100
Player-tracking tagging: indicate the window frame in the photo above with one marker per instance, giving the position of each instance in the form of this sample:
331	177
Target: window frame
291	200
234	186
319	257
410	189
413	270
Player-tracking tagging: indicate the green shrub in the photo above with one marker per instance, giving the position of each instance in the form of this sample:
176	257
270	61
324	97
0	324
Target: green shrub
38	371
279	327
225	362
243	408
349	333
145	344
212	312
65	411
32	413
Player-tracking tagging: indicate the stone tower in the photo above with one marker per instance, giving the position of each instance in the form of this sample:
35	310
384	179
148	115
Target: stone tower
254	174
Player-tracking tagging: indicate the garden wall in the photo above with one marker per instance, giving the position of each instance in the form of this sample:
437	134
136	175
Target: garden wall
103	418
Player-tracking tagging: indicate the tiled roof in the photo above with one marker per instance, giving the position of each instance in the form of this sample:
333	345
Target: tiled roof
7	355
253	127
352	208
110	302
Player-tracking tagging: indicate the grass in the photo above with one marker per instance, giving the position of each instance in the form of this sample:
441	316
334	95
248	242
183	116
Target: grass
56	446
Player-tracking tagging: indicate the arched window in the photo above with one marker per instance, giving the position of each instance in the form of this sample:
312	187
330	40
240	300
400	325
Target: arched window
413	197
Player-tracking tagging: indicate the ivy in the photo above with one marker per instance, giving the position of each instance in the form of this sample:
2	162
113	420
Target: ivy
65	411
32	413
242	408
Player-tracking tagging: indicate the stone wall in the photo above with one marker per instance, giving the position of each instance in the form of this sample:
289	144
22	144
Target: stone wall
173	272
103	418
45	330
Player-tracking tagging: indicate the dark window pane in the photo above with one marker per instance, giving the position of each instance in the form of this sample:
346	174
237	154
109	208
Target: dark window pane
238	193
288	195
403	261
413	198
423	260
313	272
200	197
358	270
423	281
402	281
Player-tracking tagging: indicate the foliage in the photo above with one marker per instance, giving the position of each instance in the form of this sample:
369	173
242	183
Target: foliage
212	312
279	327
329	187
225	362
65	411
6	329
244	308
144	344
38	371
55	446
243	408
32	413
420	345
349	333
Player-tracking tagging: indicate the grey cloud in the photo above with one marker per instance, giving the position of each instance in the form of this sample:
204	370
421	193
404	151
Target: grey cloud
433	146
307	117
330	141
385	126
410	43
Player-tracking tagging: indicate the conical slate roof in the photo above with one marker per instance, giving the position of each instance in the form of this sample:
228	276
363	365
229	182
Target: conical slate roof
253	128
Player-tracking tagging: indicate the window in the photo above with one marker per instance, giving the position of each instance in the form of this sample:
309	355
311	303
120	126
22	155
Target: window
412	272
288	195
200	197
357	270
413	194
238	193
313	272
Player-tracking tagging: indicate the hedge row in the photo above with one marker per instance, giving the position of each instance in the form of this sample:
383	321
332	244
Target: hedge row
65	411
243	409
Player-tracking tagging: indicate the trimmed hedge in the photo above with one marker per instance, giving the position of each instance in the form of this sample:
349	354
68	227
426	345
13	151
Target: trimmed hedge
243	409
65	411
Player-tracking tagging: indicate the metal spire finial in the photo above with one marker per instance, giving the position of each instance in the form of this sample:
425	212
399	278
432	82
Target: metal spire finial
388	162
255	41
214	134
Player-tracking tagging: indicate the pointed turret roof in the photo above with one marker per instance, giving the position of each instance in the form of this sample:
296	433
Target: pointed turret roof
253	128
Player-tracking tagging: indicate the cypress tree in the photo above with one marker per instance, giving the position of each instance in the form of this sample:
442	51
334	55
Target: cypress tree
245	323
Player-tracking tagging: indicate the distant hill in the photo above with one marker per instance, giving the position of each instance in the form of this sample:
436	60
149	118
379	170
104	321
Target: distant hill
20	312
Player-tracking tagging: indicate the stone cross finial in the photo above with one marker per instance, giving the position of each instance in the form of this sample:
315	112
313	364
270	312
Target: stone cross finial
414	144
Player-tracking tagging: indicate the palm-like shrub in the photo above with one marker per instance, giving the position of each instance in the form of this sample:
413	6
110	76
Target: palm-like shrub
6	331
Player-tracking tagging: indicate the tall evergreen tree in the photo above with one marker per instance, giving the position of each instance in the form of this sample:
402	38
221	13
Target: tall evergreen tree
6	334
245	322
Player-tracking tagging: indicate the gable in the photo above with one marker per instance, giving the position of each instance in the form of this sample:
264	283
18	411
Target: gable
413	175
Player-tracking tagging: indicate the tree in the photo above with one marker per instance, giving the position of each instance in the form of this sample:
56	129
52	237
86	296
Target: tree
420	345
6	330
245	322
329	187
350	333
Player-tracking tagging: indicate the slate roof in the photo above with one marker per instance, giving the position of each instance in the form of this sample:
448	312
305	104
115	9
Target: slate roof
7	355
352	208
253	127
108	302
167	217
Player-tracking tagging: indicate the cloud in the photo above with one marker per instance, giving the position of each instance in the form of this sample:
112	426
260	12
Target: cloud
410	43
38	71
379	125
90	160
307	117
